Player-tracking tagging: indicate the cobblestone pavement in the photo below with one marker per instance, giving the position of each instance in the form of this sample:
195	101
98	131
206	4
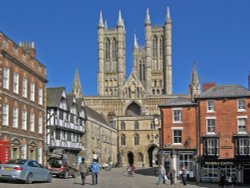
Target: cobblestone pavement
115	178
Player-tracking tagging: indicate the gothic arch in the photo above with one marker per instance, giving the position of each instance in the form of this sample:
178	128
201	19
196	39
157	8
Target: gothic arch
133	109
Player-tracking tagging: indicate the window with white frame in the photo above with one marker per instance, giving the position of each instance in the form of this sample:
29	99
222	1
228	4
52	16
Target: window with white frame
211	125
6	78
16	82
32	91
241	104
243	146
32	122
177	136
177	116
210	106
5	115
15	118
40	125
24	120
40	96
24	87
242	124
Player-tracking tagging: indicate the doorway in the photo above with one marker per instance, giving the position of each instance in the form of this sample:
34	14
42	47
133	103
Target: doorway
153	156
130	158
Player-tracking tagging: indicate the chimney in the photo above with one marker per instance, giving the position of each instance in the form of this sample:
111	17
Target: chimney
207	86
28	47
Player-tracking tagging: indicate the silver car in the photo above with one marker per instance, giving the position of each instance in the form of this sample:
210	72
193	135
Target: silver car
24	170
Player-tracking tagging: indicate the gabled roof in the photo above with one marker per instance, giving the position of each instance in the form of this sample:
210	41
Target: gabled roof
54	96
70	98
179	101
95	115
230	91
79	102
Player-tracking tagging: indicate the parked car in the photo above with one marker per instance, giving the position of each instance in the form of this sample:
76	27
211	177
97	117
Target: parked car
60	169
24	170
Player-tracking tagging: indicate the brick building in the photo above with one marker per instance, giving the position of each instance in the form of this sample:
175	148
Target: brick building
22	100
210	134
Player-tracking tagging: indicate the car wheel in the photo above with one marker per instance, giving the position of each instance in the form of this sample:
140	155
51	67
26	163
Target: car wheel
29	179
66	175
49	178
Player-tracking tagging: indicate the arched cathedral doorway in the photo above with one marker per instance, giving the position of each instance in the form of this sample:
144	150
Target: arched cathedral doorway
130	158
153	156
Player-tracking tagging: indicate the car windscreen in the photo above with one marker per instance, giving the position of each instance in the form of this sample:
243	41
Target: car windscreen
16	161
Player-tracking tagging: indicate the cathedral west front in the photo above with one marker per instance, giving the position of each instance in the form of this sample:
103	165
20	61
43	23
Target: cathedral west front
131	105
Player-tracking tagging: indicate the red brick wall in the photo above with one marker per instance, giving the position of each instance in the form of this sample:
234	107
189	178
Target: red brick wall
226	122
188	124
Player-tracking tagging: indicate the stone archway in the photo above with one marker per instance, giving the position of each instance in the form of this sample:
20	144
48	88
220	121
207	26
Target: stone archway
130	158
153	156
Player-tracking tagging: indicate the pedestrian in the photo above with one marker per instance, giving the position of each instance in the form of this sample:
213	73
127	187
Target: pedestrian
184	175
132	169
83	169
222	179
162	174
172	176
228	180
95	168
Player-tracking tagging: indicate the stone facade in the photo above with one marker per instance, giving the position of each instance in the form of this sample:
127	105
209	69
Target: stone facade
134	102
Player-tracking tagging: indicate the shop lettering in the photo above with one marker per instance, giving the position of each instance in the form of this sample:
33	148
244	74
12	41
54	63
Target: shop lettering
219	163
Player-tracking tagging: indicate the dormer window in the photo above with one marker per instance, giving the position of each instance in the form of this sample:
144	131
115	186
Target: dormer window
210	106
241	105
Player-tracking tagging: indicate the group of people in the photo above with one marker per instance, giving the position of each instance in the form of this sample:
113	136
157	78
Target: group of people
94	169
170	175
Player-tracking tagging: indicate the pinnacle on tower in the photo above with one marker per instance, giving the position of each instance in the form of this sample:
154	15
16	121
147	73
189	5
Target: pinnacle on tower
147	20
106	24
168	14
120	20
194	75
135	42
101	20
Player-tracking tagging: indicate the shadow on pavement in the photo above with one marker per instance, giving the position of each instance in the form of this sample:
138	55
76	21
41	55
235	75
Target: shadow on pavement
146	171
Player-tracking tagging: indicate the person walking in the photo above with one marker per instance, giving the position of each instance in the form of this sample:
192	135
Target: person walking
83	169
172	176
222	179
95	168
184	175
162	174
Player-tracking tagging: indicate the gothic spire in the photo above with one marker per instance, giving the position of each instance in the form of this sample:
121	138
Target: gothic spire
147	20
120	21
106	24
194	86
77	87
168	14
135	42
101	20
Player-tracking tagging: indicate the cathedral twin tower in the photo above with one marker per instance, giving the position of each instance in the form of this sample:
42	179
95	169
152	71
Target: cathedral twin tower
152	63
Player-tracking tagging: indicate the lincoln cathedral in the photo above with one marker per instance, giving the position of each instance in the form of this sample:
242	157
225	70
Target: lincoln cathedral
131	105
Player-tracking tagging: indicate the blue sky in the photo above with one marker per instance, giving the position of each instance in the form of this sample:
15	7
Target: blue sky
214	34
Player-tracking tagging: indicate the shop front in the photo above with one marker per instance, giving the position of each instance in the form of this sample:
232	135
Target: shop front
211	169
178	158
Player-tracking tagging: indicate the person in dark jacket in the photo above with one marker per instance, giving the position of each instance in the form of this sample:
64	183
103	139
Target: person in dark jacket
83	169
222	179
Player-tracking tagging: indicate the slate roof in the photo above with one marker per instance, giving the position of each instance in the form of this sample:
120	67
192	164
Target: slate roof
179	101
95	115
229	91
70	98
54	96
